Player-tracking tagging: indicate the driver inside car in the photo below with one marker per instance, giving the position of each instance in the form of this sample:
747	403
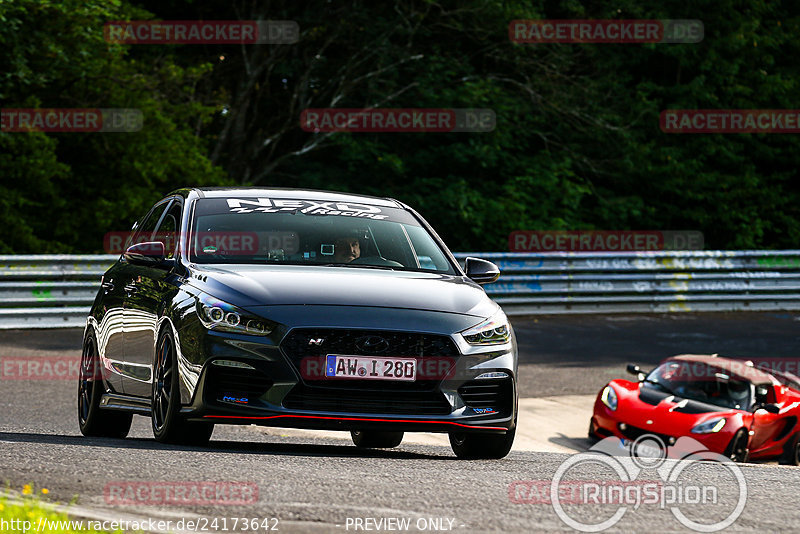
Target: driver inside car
346	249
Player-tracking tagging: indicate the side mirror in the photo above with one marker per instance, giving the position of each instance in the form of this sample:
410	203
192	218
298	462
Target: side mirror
634	369
771	408
481	271
151	254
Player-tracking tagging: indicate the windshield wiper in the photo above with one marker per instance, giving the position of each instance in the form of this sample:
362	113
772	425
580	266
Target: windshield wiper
364	265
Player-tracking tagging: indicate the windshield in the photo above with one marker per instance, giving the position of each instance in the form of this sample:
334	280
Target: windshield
701	382
310	232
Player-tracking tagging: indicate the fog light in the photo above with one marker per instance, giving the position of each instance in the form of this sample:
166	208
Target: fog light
623	426
498	374
232	363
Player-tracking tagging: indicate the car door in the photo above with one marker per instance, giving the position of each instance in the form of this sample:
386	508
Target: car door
145	297
111	336
135	325
110	343
766	426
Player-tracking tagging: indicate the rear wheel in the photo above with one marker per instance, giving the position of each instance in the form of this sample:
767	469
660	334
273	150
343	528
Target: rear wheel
370	439
737	448
482	446
791	451
92	420
168	425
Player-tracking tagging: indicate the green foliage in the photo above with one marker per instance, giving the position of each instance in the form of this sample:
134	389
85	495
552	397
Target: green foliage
577	143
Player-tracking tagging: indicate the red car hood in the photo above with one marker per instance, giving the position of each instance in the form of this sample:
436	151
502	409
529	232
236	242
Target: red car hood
661	413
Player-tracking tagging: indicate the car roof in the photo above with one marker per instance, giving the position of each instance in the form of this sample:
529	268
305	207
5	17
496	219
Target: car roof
288	193
741	369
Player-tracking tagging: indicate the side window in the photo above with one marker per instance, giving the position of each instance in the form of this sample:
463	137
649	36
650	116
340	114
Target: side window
168	229
144	232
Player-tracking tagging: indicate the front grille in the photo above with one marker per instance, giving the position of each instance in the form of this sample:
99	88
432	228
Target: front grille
236	382
343	341
497	394
633	433
306	349
363	401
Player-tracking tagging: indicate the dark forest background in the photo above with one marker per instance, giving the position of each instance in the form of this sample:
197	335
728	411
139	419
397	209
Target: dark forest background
577	143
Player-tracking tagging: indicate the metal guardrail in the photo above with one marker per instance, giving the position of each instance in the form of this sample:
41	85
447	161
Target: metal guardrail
646	282
52	291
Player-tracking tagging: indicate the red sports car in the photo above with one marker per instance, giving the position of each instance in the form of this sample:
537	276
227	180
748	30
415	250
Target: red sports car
730	406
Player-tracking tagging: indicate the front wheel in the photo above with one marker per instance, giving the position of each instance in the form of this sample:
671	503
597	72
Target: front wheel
482	446
168	425
92	420
737	448
376	440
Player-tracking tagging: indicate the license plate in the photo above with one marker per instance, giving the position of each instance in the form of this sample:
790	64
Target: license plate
367	368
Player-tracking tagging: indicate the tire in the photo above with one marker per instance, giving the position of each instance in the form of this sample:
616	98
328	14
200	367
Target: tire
482	446
791	451
370	439
93	420
737	448
165	403
593	437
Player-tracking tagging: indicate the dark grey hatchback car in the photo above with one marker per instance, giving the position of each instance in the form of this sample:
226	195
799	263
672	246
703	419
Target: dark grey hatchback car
304	309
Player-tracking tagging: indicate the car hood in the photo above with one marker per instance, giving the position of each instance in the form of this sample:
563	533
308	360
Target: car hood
657	404
251	286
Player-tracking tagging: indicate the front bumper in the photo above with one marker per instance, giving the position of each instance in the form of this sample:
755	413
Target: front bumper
606	423
278	389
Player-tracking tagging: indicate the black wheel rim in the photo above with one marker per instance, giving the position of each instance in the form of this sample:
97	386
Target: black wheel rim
86	383
162	384
739	448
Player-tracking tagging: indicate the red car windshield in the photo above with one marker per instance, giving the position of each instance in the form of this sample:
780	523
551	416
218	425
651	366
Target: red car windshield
704	383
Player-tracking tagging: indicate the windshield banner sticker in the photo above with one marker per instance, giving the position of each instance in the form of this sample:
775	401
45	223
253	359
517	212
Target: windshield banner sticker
308	207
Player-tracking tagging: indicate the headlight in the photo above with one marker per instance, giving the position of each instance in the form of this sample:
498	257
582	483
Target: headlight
710	426
609	398
219	315
493	331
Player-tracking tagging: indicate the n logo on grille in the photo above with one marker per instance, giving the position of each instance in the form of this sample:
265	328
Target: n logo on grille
372	344
316	341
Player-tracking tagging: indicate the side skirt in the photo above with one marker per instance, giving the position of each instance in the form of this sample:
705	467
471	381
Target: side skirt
114	401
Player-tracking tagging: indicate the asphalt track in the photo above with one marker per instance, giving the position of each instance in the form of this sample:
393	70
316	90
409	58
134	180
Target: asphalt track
319	482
